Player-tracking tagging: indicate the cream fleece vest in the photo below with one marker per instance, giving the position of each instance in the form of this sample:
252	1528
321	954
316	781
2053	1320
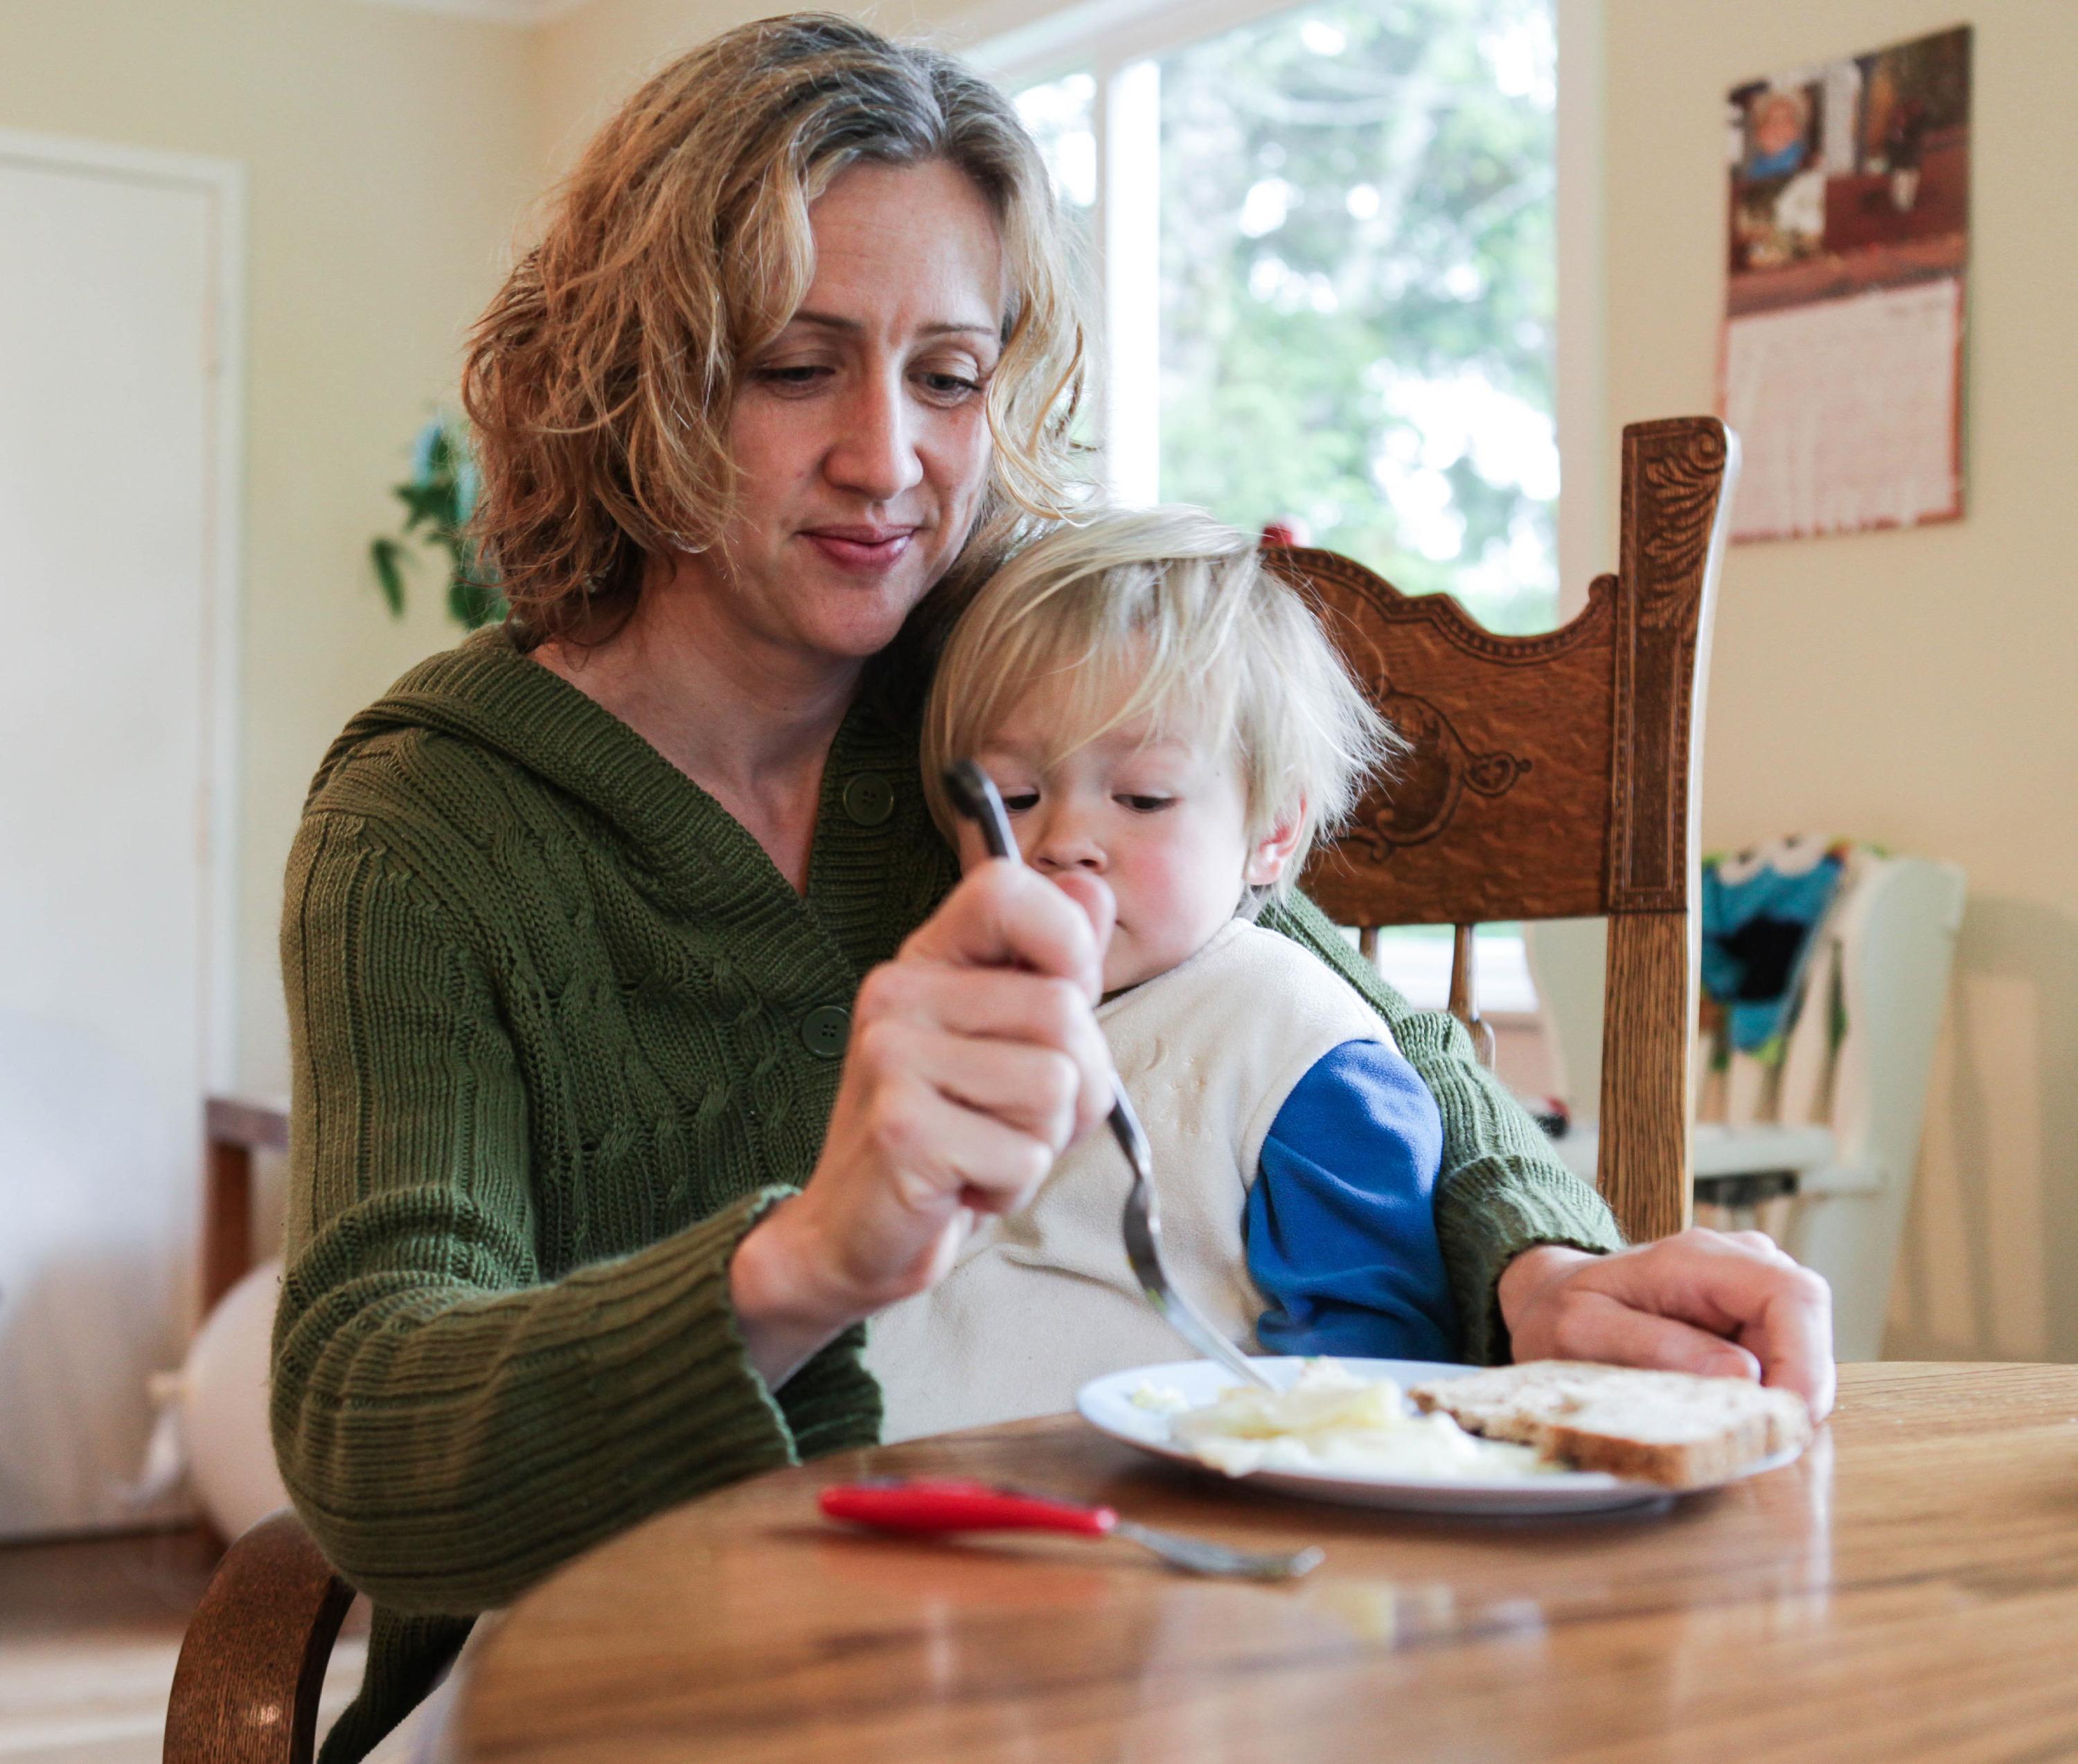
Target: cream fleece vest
1039	1303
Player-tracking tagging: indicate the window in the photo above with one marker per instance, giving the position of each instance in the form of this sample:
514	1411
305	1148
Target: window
1323	252
1324	248
1061	115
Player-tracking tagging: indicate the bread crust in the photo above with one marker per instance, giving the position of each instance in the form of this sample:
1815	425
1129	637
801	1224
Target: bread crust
1671	1428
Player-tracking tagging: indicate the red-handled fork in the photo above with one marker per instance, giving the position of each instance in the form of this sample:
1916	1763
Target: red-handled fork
941	1505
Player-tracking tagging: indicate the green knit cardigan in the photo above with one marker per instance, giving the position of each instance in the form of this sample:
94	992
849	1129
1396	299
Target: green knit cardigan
561	1032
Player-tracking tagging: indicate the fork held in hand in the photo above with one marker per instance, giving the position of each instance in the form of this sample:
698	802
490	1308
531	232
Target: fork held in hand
973	795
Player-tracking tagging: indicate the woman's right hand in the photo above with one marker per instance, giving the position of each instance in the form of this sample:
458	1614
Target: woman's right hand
974	1059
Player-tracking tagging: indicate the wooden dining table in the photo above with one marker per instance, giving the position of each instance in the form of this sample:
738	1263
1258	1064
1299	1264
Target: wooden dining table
1907	1589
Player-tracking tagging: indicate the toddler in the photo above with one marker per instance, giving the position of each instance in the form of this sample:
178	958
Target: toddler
1158	710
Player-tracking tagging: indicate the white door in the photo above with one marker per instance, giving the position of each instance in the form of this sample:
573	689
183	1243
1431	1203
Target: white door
112	450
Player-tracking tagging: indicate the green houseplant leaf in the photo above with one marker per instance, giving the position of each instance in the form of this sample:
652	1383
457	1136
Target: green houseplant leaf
386	555
440	499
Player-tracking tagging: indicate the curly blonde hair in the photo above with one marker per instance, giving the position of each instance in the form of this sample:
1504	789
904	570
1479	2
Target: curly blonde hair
601	382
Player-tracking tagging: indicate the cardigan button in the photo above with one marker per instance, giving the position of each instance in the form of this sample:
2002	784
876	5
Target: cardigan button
825	1029
868	799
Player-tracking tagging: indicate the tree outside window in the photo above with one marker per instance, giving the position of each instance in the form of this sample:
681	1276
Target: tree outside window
1355	279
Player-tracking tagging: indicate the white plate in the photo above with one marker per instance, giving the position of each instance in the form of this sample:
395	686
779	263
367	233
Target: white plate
1107	1404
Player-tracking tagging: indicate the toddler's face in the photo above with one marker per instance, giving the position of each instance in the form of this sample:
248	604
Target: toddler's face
1161	820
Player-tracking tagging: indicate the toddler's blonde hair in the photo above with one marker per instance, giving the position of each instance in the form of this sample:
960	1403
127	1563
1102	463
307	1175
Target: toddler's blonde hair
1166	613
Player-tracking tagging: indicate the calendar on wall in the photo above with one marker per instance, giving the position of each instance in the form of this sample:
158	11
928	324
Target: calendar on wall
1848	242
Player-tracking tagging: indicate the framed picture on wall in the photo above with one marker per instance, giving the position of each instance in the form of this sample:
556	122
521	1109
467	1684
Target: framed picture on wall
1848	242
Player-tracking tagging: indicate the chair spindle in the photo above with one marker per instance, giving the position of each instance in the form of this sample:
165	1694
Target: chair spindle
1463	1005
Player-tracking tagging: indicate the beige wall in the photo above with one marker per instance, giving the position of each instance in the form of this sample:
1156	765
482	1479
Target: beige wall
387	153
1919	688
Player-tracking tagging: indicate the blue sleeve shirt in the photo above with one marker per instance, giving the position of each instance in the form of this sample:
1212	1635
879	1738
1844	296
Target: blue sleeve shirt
1340	1225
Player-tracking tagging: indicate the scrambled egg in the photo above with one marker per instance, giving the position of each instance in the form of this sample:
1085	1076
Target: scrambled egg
1331	1420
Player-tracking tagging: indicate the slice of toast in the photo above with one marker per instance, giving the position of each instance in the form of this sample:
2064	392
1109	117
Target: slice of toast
1673	1429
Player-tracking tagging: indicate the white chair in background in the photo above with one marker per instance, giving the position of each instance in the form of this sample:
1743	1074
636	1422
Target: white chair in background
1820	1150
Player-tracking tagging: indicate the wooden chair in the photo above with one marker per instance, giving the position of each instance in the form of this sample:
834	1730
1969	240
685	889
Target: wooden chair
1555	776
232	1131
253	1662
1551	777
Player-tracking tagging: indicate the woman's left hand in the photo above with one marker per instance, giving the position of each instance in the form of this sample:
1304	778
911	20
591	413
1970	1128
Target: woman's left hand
1725	1303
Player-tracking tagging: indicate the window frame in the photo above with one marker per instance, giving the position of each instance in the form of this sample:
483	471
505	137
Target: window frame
1098	35
1104	38
1119	44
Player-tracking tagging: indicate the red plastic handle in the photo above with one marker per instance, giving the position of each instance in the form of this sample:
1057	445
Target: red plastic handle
949	1505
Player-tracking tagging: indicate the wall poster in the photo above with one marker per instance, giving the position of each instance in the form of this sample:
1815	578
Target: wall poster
1849	235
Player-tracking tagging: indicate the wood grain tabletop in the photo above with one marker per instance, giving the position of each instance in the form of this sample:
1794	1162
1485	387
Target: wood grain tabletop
1908	1590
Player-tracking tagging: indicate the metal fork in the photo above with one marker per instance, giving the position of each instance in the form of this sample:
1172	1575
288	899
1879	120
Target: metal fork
973	795
946	1506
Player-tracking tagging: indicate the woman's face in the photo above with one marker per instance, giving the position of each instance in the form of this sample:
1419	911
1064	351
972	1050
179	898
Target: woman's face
859	434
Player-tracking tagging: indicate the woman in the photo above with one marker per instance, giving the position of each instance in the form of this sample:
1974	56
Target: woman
644	1046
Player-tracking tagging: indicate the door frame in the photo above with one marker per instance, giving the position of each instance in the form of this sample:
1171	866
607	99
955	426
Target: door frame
223	184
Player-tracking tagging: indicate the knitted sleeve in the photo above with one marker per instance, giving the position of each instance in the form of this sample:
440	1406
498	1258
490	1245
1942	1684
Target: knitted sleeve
450	1424
1501	1190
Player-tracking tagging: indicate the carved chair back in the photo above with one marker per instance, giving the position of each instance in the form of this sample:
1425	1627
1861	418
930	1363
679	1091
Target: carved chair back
1554	776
